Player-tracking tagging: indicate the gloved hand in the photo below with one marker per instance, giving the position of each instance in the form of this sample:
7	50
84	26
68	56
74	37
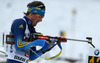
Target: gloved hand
48	45
33	34
45	47
51	43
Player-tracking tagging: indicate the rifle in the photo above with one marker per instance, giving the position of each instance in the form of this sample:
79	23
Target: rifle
62	39
58	40
49	38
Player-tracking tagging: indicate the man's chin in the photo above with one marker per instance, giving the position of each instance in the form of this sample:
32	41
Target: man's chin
34	25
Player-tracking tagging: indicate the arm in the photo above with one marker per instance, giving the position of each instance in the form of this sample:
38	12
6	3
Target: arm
34	54
18	28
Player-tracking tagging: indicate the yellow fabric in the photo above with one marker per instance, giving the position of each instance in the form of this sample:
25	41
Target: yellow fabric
54	56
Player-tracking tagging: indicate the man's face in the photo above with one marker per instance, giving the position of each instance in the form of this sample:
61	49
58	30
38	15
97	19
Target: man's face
36	19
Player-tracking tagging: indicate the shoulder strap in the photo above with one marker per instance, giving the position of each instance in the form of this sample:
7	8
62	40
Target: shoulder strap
27	32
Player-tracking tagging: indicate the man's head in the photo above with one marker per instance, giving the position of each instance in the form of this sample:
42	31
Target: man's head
35	12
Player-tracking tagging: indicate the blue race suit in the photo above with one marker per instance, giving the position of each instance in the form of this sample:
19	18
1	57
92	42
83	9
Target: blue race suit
20	51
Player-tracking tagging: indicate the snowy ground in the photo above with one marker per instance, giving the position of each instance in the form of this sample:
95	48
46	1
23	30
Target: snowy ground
85	23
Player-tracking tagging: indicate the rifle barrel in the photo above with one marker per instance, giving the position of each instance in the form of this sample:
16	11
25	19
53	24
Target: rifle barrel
77	40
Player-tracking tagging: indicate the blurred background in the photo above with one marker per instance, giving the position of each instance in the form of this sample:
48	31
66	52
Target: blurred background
76	19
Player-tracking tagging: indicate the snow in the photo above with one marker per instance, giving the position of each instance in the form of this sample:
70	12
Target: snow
85	23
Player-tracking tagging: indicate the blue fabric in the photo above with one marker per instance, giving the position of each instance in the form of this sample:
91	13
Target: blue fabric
45	47
59	45
18	29
12	61
36	10
33	56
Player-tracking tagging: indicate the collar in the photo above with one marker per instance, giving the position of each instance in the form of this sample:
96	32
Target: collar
30	27
29	22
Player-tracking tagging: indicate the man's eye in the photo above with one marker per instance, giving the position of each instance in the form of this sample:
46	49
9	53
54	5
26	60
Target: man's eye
40	17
